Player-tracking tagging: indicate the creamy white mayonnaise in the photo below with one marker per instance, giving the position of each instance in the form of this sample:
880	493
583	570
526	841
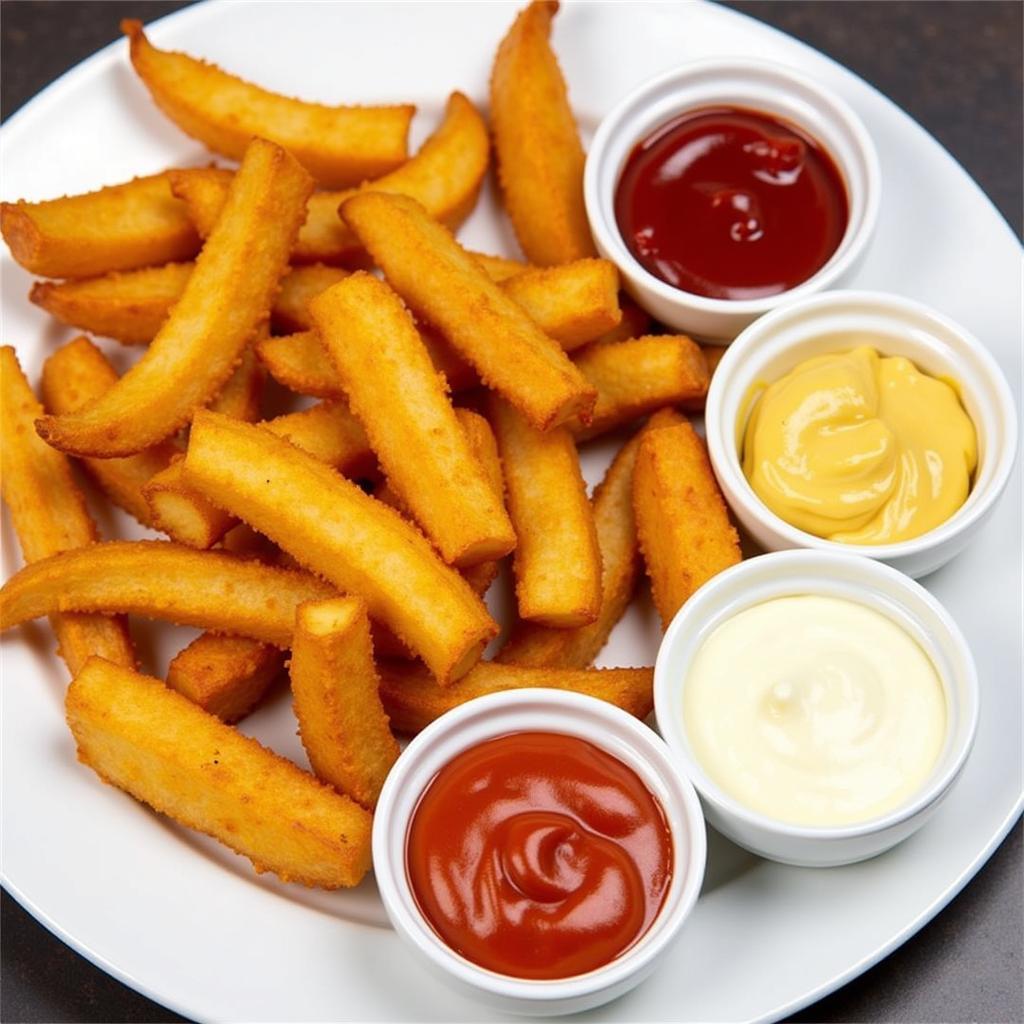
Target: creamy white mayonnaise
815	710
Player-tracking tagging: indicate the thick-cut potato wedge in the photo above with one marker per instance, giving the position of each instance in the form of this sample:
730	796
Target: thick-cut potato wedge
129	307
335	689
394	390
557	562
182	512
339	146
329	525
213	590
226	676
75	375
291	308
299	362
682	520
445	176
412	699
329	432
446	286
226	299
49	515
153	743
120	227
540	158
635	377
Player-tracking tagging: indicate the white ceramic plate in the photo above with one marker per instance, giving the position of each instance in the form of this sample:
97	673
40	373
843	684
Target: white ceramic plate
189	924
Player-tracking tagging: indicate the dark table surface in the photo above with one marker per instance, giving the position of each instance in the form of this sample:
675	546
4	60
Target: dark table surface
956	67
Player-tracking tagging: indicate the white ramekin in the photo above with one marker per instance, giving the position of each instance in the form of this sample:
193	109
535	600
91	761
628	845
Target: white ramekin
753	84
868	583
538	710
837	322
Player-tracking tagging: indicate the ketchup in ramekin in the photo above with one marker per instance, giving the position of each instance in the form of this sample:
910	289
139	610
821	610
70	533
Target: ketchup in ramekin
539	855
731	203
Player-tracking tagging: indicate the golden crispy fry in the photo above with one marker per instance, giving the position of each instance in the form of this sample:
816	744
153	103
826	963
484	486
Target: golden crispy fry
77	374
335	689
49	514
540	159
635	323
329	432
712	356
181	511
227	297
206	775
291	308
500	268
242	395
339	146
681	518
396	393
225	675
634	377
412	699
329	525
299	362
574	303
447	287
557	563
119	227
445	176
129	307
213	590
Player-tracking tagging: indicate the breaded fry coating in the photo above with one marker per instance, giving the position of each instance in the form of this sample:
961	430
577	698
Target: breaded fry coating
634	377
49	515
394	390
540	158
557	563
153	743
119	227
339	146
227	297
181	511
330	526
329	432
335	689
214	590
225	675
682	520
412	699
444	284
291	307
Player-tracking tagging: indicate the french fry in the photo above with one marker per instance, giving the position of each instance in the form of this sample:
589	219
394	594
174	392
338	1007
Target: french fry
540	646
335	687
49	515
395	392
412	699
242	395
75	375
213	590
119	227
540	159
299	362
500	268
330	526
329	432
227	297
445	285
445	176
682	521
339	146
181	511
204	774
635	323
291	308
634	377
712	356
129	307
226	676
557	562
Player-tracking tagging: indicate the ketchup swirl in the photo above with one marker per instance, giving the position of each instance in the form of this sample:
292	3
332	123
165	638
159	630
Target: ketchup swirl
538	855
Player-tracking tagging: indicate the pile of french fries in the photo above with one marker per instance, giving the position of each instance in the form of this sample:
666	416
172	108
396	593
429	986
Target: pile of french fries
359	533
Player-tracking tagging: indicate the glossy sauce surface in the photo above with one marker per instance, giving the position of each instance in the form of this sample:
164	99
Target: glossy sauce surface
538	855
731	203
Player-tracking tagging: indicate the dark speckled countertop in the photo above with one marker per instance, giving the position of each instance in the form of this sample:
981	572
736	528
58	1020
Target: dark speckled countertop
956	67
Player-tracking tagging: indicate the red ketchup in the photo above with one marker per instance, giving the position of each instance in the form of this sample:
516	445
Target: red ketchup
731	204
538	855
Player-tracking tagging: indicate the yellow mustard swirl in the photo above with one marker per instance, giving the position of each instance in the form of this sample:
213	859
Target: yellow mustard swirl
860	448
